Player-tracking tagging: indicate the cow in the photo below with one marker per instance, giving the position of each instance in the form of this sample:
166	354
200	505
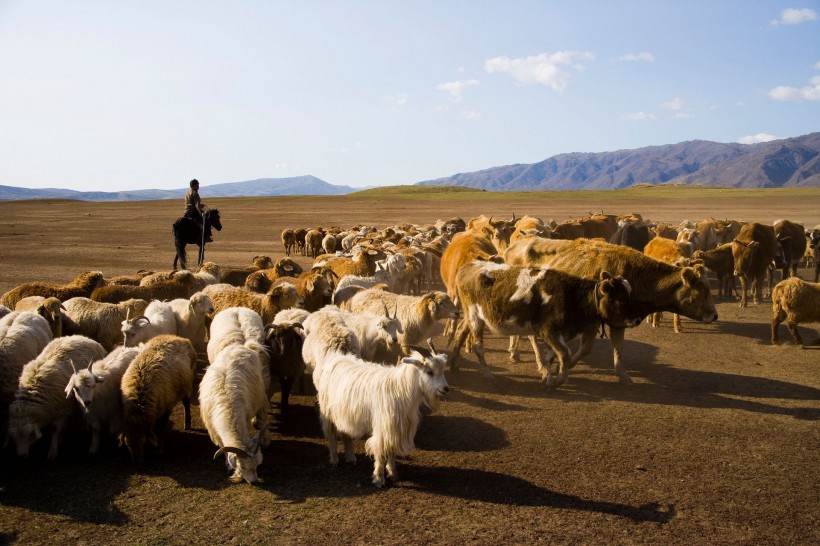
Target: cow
632	235
552	305
721	262
498	230
814	244
656	286
753	250
791	237
673	253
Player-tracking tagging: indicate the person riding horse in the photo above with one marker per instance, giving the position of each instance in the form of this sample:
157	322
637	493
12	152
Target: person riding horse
195	210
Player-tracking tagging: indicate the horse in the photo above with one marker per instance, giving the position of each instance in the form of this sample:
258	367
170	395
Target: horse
187	231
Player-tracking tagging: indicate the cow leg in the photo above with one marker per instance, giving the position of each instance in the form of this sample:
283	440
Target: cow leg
792	326
587	342
458	342
616	335
478	347
778	316
536	348
563	352
655	319
676	322
513	350
744	290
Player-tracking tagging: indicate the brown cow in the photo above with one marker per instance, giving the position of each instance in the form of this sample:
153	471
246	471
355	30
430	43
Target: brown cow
498	230
753	250
550	304
673	253
722	263
656	286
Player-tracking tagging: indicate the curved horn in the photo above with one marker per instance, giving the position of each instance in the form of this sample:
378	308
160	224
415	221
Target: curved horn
432	347
424	352
230	449
90	362
72	365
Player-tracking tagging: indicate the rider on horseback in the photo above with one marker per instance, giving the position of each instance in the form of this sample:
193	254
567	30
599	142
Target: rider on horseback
194	209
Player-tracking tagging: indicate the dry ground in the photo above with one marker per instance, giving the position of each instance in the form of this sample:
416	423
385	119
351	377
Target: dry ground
716	442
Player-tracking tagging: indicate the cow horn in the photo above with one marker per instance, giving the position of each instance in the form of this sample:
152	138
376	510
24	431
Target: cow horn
231	449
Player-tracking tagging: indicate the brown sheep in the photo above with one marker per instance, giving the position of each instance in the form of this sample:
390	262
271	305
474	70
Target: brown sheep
288	240
238	275
261	281
795	301
183	285
50	309
82	286
267	305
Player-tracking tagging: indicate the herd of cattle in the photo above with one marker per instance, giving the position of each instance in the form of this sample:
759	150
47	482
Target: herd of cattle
115	355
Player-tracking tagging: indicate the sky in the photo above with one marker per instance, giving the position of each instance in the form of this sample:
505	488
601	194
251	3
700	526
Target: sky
112	96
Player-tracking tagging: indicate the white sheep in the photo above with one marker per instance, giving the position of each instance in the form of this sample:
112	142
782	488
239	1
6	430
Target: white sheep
97	390
232	398
327	333
360	399
100	321
418	314
378	335
291	316
209	273
40	400
158	319
158	379
794	300
191	318
23	335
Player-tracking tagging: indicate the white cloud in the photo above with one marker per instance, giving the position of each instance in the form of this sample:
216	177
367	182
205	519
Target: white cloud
674	104
817	65
456	88
471	114
809	92
346	149
684	115
759	137
545	69
640	116
398	100
794	16
643	56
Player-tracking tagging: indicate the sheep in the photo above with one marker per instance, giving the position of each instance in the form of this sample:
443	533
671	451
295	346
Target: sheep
327	333
157	379
101	322
300	234
378	335
360	399
389	271
83	285
23	335
209	273
794	300
97	390
158	319
131	280
238	275
261	281
362	264
191	316
49	308
312	286
291	316
329	243
288	240
267	305
284	343
182	285
40	400
313	241
231	398
418	314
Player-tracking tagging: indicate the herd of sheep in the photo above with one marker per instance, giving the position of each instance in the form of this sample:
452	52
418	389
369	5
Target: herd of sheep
115	355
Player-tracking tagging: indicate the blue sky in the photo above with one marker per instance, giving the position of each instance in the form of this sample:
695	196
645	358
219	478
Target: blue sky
101	95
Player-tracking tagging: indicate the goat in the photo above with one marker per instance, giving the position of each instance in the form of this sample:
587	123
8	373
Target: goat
159	319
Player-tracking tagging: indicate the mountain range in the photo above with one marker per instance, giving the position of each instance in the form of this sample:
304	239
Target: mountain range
791	162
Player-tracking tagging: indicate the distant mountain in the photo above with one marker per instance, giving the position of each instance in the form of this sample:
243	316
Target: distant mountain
298	185
792	162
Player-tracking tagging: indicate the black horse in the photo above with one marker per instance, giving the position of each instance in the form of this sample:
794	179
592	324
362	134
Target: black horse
187	231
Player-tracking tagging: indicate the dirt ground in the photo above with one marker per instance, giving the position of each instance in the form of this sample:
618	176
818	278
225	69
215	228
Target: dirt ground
716	442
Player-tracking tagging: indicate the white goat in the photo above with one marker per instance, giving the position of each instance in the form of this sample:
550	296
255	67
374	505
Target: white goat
244	327
159	319
101	322
359	399
378	335
232	397
40	400
97	389
327	333
23	335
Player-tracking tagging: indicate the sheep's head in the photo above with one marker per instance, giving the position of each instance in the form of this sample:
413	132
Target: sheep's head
212	269
134	307
81	384
263	262
201	304
285	296
22	430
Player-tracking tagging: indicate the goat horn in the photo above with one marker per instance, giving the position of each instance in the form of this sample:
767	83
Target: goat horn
72	365
432	347
230	449
90	362
424	352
